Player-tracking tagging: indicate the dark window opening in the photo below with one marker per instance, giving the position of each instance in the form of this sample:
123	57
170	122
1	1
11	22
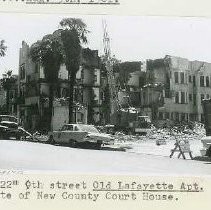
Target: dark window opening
190	97
182	97
190	79
194	99
194	81
207	81
201	81
95	78
176	97
167	115
183	117
176	116
182	77
176	77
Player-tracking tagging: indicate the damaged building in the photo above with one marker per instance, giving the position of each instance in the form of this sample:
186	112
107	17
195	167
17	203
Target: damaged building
176	88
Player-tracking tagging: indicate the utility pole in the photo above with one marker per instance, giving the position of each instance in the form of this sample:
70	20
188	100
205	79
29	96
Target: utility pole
114	103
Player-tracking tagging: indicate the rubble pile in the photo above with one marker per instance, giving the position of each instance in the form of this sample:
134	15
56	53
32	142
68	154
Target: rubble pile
40	137
173	133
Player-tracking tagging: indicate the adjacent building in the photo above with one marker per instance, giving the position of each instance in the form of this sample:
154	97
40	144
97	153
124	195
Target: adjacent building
8	94
33	107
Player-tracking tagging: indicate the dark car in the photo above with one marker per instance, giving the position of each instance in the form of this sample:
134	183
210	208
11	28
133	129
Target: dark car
9	118
3	132
11	130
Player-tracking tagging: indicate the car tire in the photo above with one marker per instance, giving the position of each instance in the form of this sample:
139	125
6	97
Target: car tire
51	140
98	145
72	143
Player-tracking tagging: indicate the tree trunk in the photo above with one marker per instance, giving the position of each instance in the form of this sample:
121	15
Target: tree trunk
72	75
51	96
7	101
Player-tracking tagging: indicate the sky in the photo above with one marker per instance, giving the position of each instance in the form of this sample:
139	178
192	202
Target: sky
133	38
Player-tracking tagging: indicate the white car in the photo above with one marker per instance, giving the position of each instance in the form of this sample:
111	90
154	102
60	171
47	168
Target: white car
73	134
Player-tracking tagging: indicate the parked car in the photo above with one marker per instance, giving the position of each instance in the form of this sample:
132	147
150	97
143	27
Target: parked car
75	134
3	132
11	130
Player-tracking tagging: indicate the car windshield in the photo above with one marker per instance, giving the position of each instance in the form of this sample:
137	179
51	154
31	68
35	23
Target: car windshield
9	125
67	128
8	118
88	128
144	119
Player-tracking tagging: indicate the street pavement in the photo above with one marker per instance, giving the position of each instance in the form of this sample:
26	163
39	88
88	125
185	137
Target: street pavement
29	156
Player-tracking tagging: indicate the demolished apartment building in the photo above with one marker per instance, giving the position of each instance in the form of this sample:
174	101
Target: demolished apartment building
175	88
34	92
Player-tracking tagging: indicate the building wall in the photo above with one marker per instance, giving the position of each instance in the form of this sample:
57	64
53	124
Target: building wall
61	115
160	75
181	105
35	90
134	78
97	77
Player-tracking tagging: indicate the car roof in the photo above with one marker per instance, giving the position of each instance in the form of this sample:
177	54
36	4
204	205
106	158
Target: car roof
78	124
1	126
143	116
4	115
9	118
9	122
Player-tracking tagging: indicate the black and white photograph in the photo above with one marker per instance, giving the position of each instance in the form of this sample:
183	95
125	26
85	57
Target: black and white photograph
105	94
